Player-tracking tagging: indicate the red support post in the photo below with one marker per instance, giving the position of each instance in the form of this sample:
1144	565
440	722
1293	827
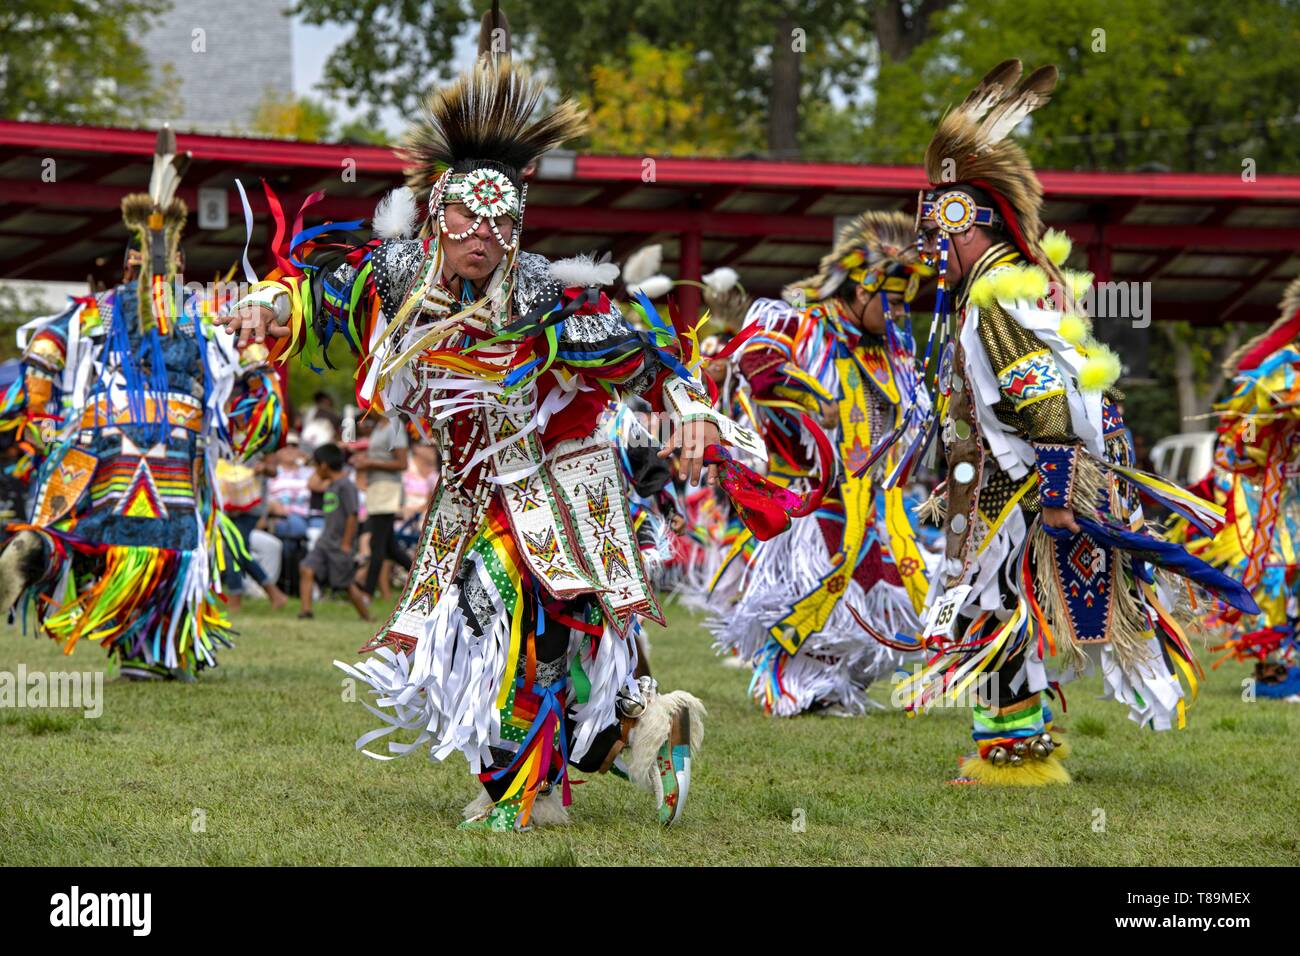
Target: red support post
1099	263
688	296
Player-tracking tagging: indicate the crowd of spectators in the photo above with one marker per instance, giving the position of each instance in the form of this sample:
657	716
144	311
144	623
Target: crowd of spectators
336	510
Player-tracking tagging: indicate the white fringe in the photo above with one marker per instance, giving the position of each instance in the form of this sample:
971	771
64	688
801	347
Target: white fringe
837	664
1158	688
610	669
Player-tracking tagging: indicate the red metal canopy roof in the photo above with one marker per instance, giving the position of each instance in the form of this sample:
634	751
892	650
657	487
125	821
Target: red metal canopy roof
1212	245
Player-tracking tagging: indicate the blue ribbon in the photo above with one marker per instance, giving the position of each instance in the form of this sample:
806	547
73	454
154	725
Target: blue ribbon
551	702
307	235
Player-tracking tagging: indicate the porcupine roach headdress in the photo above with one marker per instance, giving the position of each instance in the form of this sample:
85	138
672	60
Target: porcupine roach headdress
971	163
979	177
479	135
156	219
877	249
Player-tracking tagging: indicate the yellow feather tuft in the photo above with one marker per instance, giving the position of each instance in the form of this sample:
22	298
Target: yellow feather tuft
1075	328
1031	773
1034	285
1007	283
1080	283
983	293
1010	284
1101	370
1056	245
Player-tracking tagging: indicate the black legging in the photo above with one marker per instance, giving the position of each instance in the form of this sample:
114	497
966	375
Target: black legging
383	546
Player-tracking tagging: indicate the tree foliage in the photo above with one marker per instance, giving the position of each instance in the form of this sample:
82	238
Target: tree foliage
646	103
1162	83
64	61
396	50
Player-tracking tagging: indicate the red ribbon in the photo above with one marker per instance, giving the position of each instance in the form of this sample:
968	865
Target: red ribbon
765	508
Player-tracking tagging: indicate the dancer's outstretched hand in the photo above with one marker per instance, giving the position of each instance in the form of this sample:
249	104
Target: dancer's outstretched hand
253	323
692	438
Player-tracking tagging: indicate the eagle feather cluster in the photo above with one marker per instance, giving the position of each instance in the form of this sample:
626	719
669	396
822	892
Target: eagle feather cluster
971	141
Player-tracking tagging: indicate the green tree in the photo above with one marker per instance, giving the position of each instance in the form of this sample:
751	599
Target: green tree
396	49
759	62
762	61
18	304
65	61
1160	83
339	382
645	102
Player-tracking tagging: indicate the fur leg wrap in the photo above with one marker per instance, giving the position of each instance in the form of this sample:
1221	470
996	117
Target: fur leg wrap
22	563
480	805
651	733
548	809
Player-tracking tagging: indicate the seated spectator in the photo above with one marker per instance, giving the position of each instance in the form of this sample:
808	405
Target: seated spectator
288	499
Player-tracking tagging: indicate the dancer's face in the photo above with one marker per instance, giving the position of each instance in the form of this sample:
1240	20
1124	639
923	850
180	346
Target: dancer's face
869	311
964	248
477	255
876	309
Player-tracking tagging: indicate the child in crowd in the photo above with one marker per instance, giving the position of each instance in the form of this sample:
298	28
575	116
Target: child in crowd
332	561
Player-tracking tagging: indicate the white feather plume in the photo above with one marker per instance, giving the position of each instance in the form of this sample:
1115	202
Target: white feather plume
722	280
653	287
643	264
582	271
396	215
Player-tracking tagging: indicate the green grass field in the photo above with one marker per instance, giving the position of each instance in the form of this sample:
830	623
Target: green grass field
257	758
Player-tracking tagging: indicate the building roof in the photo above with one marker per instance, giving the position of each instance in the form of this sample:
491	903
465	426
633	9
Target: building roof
1212	245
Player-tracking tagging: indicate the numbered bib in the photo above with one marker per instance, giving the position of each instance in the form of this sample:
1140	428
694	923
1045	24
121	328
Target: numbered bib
943	615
